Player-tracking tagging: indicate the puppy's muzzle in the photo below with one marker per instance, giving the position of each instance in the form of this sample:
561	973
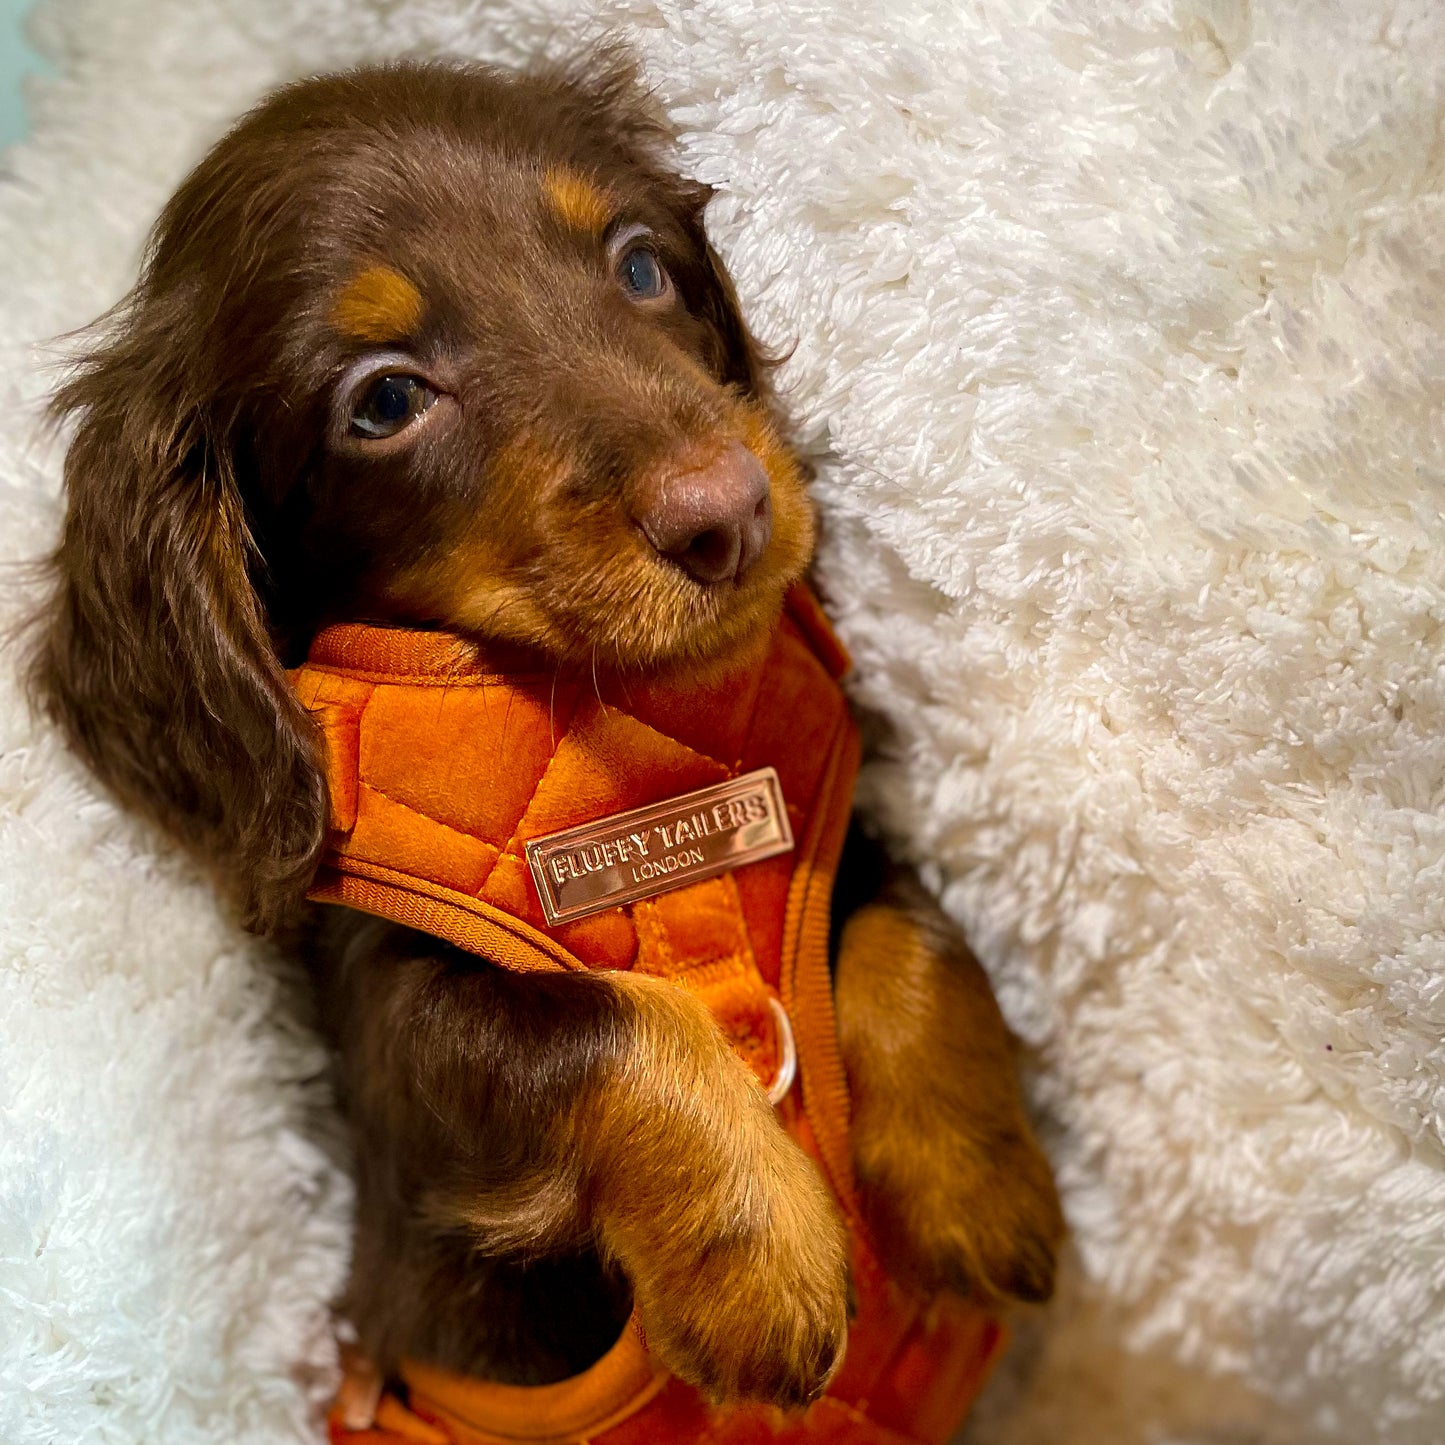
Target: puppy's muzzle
715	520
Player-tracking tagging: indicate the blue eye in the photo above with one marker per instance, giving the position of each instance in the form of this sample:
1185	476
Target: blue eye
642	275
389	404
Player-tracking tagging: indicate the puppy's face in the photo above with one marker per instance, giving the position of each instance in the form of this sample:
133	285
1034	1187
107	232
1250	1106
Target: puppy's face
483	370
422	344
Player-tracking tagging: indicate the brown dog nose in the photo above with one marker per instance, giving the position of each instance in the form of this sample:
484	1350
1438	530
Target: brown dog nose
716	520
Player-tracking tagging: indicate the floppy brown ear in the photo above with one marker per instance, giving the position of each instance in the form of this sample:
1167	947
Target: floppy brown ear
153	654
740	362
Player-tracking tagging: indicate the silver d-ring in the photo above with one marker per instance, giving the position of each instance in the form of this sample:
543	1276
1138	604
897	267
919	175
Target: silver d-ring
788	1064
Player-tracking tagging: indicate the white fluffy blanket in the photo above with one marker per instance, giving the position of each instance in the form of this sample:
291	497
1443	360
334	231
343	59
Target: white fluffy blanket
1119	334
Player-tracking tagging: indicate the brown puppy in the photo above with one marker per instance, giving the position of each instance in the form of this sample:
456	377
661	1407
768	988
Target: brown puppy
436	345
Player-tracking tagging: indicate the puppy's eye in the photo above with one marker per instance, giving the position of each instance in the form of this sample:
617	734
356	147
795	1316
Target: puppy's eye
642	274
388	404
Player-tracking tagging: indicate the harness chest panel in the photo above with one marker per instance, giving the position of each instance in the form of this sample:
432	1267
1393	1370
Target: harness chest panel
443	763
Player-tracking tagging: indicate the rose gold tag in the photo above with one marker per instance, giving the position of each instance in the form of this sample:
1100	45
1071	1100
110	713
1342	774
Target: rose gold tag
650	850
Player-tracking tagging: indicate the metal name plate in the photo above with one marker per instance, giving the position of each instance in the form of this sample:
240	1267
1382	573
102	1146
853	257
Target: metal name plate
650	850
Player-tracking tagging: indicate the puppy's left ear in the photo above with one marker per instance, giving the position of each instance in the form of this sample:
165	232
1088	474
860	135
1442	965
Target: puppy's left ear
738	360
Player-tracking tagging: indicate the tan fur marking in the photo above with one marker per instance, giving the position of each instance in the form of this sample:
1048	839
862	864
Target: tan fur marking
580	202
378	304
473	582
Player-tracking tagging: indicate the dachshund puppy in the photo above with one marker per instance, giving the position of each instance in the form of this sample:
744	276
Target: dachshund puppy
435	345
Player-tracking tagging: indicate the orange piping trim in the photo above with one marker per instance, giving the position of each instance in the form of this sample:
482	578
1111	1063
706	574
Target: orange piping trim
579	1408
431	908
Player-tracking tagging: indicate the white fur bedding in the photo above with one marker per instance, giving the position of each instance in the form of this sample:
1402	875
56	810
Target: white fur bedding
1120	332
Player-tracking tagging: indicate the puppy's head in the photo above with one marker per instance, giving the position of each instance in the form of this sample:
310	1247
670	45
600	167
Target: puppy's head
425	344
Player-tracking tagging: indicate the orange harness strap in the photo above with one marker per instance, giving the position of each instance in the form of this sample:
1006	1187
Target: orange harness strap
626	1399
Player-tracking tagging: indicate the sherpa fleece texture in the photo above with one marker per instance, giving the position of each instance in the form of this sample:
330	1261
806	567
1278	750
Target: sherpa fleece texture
1117	328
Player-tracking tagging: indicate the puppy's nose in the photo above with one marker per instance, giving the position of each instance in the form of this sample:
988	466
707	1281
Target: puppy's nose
716	520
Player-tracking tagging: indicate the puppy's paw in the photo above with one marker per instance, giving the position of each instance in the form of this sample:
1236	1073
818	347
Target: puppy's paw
982	1218
755	1306
1002	1236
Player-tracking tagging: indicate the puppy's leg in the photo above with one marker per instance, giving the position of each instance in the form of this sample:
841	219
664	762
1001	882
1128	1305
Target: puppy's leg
957	1191
537	1114
733	1244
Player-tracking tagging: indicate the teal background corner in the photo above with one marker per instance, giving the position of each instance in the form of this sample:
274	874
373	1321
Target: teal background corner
17	60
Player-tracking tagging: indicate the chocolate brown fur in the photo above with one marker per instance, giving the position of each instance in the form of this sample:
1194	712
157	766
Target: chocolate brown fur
524	1166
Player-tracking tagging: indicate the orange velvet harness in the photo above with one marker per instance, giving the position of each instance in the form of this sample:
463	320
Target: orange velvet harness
442	762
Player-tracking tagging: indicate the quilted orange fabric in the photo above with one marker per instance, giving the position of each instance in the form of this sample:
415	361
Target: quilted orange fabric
442	762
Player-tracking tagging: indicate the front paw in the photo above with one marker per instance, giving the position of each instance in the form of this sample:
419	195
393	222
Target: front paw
751	1302
982	1218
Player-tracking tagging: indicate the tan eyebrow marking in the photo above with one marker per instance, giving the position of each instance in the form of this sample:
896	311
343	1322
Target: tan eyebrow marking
378	304
579	201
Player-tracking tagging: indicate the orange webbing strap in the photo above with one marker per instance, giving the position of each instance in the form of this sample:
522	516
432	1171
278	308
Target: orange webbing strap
807	984
433	908
582	1407
447	1409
